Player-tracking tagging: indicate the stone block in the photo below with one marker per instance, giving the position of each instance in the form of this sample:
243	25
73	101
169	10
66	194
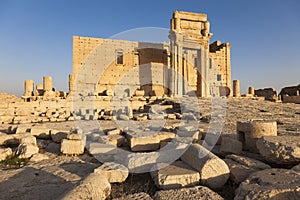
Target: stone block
165	136
176	175
116	140
141	162
230	146
26	150
114	172
72	147
248	162
28	140
102	152
238	172
214	172
75	136
143	141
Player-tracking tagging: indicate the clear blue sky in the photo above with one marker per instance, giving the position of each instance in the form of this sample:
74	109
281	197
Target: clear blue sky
36	35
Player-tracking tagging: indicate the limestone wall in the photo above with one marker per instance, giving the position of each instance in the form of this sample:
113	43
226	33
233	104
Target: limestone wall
126	72
290	99
220	55
38	111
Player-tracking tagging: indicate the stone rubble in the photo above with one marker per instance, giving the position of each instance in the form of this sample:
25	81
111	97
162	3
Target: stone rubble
114	172
270	184
281	149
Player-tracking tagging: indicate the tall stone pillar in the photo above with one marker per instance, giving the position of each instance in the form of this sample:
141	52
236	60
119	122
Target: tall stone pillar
251	91
47	83
202	58
29	87
236	88
180	71
175	70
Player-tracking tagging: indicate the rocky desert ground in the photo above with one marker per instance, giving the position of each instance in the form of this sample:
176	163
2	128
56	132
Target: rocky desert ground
257	155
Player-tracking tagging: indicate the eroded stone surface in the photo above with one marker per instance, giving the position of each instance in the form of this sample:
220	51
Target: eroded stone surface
95	186
194	193
230	146
176	175
281	149
270	184
4	153
114	172
143	141
72	147
214	172
241	167
136	196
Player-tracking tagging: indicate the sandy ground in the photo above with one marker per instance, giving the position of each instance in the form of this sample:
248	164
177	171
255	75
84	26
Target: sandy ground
51	179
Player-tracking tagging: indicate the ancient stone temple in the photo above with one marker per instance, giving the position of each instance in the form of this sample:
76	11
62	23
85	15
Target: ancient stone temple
187	65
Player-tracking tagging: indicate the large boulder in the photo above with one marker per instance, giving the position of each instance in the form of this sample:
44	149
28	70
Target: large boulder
270	184
280	149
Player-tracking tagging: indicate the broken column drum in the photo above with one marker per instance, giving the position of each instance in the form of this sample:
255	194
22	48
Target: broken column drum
249	132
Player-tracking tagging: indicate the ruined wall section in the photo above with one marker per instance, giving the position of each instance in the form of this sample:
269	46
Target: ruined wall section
124	59
220	58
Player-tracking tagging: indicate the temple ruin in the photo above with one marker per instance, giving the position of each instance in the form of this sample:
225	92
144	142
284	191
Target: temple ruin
187	64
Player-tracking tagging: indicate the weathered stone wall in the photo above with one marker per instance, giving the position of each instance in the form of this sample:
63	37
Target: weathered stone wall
291	91
220	55
290	99
138	61
268	93
69	109
190	64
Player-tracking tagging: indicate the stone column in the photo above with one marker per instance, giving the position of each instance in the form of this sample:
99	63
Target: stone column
47	84
236	88
251	91
29	87
175	70
180	71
